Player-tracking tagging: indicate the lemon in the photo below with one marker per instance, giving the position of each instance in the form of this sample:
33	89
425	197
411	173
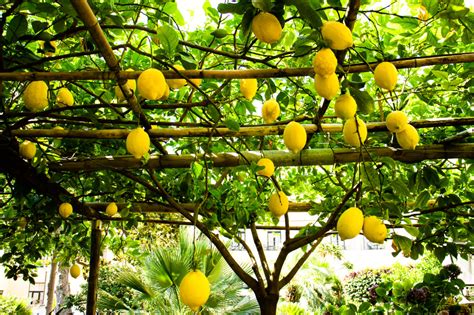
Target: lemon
354	132
266	27
326	87
65	209
176	83
49	48
337	35
22	222
374	229
423	14
132	85
166	94
75	271
151	84
35	96
27	150
111	209
269	167
138	142
197	81
278	204
270	111
385	75
350	223
345	106
324	62
248	88
408	138
64	98
396	121
194	289
294	137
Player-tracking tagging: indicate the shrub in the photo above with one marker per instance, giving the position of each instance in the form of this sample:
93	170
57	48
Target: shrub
358	285
13	305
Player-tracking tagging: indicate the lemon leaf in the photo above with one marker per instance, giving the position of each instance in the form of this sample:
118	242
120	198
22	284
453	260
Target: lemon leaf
168	39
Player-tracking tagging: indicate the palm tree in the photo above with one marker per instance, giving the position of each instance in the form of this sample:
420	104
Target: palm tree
159	277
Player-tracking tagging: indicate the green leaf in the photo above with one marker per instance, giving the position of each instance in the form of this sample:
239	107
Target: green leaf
413	231
264	5
39	26
307	10
400	187
171	8
17	27
236	8
220	33
232	124
422	199
365	102
168	39
403	243
196	169
364	307
440	253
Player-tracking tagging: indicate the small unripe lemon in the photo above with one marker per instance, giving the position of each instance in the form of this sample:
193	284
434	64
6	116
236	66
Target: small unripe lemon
337	35
248	88
278	204
64	98
65	209
354	132
396	121
350	223
270	111
374	229
345	106
27	150
138	142
176	83
266	27
294	137
325	62
35	96
132	85
111	209
326	87
269	167
194	290
75	271
151	84
385	75
408	138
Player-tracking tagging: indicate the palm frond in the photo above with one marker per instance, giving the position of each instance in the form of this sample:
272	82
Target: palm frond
132	280
106	301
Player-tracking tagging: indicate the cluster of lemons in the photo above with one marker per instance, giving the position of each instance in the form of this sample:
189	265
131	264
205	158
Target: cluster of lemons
352	221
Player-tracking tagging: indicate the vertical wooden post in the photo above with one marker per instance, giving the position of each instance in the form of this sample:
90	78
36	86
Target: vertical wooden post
94	266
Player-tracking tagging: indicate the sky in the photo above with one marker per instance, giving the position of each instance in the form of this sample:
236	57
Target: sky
192	11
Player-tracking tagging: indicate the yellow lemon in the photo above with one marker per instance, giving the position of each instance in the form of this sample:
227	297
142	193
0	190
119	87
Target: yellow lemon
324	62
132	85
345	106
248	88
27	150
75	271
166	94
374	229
197	81
326	87
65	209
270	111
278	204
294	137
385	75
151	84
408	139
350	223
354	132
138	142
111	209
194	289
269	167
64	98
176	83
266	27
35	96
337	35
396	121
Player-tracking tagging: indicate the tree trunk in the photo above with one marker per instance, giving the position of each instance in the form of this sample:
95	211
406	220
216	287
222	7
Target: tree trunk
51	285
268	304
63	291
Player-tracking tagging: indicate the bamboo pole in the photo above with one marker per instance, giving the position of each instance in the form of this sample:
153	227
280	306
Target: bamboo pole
280	158
94	265
234	74
246	131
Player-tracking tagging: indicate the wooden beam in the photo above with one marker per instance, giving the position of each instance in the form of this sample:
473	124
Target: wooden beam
94	265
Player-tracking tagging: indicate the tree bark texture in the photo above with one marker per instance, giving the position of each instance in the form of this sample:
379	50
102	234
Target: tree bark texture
64	290
51	286
94	265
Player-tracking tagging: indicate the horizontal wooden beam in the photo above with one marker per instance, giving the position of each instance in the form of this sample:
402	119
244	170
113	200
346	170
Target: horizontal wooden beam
233	74
323	156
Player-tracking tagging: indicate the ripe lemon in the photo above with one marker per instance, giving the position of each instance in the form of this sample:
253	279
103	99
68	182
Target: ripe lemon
269	167
196	81
64	98
337	35
75	271
294	137
27	150
374	229
166	94
396	121
354	132
138	142
266	27
324	62
326	87
248	88
35	96
408	138
176	83
132	85
194	289
151	84
270	111
65	209
278	204
385	75
345	106
350	223
111	209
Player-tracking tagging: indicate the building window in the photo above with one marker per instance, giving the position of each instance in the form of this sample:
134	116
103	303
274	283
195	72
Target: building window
372	246
235	245
273	240
336	240
36	297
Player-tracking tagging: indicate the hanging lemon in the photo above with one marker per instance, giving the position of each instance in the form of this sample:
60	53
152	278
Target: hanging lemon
278	204
337	35
294	137
194	290
132	85
324	62
345	106
396	121
151	84
270	111
27	150
326	87
266	27
65	209
176	83
138	142
248	88
269	168
350	223
64	98
386	75
374	229
111	209
354	132
35	96
408	138
75	271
